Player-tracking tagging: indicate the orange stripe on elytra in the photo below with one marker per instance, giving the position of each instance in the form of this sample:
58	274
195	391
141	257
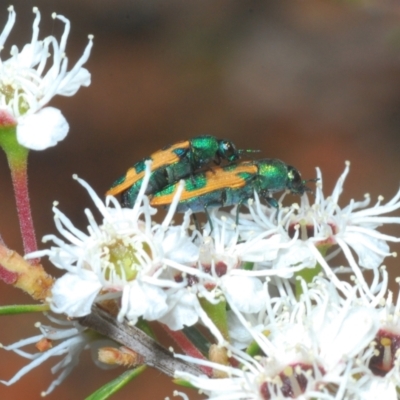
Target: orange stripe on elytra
217	178
160	158
167	156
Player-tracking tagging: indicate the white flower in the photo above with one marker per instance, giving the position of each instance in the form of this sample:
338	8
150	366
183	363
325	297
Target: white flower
221	256
28	83
302	232
322	347
125	259
69	340
382	379
216	277
257	379
74	294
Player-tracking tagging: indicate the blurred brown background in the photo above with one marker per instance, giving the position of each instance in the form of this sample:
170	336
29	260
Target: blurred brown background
314	83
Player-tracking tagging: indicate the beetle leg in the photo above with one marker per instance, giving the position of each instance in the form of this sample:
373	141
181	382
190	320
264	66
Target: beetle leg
216	203
273	203
217	159
238	209
196	221
206	206
192	173
270	201
208	218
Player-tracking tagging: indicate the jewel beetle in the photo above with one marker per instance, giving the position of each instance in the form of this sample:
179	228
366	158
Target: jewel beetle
233	185
172	163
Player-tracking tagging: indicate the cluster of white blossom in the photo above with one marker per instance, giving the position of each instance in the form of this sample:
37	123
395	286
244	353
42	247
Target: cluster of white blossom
159	271
286	336
332	339
326	345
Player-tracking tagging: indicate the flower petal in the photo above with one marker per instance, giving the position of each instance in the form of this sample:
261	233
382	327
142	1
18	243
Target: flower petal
75	294
371	251
70	87
147	301
182	311
43	129
246	293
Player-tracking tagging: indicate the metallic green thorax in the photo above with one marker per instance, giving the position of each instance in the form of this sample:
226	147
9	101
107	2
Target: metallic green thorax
272	175
202	150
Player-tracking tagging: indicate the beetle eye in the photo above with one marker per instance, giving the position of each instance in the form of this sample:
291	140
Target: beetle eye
228	150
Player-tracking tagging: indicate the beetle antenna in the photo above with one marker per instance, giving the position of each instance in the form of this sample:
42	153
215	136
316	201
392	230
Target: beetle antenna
307	189
248	151
241	151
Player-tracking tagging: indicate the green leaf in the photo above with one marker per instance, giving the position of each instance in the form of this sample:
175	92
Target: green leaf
23	308
197	338
146	328
116	384
217	313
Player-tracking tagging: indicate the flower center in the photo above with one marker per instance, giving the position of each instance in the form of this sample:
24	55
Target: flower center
292	381
125	260
387	347
9	94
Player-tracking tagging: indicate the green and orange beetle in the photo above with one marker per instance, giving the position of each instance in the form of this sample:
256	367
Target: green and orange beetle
233	185
172	163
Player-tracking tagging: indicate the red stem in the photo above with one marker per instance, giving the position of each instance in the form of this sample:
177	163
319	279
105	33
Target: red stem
18	162
188	347
17	156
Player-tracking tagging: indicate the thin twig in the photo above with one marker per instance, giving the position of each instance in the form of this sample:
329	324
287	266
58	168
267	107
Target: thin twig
153	353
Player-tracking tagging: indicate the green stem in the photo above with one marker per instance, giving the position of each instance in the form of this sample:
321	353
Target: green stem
23	308
17	157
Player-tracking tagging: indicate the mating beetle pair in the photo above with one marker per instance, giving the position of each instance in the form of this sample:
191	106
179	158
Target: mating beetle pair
218	186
